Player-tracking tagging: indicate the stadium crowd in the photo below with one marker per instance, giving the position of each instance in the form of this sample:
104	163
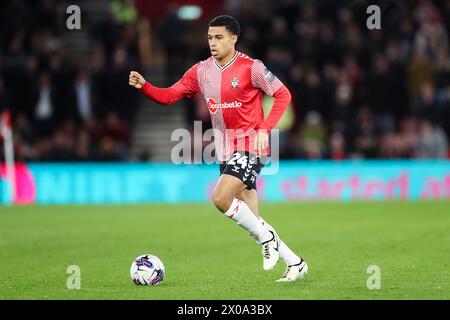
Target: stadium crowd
66	106
357	93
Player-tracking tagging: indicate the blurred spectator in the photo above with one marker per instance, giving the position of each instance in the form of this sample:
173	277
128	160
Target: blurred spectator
83	95
442	69
124	11
379	86
171	30
279	35
431	36
114	138
329	48
331	74
390	146
62	146
398	92
431	142
46	16
408	136
365	137
5	99
23	139
294	83
336	147
312	137
45	108
311	97
83	150
420	71
279	60
354	74
24	128
22	83
121	97
425	103
342	112
105	32
368	89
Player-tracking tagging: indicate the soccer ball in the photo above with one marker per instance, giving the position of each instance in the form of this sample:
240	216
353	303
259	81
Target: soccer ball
147	270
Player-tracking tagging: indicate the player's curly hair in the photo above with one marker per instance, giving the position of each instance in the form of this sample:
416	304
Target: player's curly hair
230	23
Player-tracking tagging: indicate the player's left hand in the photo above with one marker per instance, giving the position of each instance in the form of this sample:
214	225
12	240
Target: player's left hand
261	141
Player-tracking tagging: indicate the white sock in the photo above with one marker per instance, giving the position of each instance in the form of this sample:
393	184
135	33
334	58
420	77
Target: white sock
241	213
286	254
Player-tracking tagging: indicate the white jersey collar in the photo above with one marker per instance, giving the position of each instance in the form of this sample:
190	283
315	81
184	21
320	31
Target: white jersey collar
228	64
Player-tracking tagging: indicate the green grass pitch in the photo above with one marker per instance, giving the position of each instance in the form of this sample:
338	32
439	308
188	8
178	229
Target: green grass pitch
208	257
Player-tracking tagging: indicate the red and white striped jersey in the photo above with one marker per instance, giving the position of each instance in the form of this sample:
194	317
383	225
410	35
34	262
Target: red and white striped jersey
233	94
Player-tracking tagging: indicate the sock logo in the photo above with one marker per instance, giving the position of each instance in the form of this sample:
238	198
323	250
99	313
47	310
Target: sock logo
235	210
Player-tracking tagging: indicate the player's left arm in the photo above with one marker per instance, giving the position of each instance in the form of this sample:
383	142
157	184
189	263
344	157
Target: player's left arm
282	99
265	80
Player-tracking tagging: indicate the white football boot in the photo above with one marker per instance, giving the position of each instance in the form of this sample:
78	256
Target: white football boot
294	272
270	252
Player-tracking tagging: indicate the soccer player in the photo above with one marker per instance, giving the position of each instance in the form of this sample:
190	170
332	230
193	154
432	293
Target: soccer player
233	85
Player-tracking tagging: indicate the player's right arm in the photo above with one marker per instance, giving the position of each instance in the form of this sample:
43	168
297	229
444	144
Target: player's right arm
185	87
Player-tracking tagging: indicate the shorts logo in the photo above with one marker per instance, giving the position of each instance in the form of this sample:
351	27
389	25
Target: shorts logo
234	83
252	161
213	105
243	165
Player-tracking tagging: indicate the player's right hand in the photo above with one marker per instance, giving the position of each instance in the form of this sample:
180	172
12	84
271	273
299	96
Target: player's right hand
136	80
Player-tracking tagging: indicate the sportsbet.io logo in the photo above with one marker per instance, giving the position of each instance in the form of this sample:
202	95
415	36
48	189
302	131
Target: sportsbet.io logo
213	105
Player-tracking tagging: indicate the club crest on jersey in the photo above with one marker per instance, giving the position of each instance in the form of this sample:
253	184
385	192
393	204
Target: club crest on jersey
234	83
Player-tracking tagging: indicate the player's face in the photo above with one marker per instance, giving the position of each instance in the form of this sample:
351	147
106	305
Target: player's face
221	42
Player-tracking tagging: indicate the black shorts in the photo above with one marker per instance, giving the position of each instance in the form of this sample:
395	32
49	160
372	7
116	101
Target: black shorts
245	166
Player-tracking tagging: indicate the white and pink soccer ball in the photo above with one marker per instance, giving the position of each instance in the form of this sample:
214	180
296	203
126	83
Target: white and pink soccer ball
147	270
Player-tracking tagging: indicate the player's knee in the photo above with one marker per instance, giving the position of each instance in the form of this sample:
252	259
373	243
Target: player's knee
221	201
